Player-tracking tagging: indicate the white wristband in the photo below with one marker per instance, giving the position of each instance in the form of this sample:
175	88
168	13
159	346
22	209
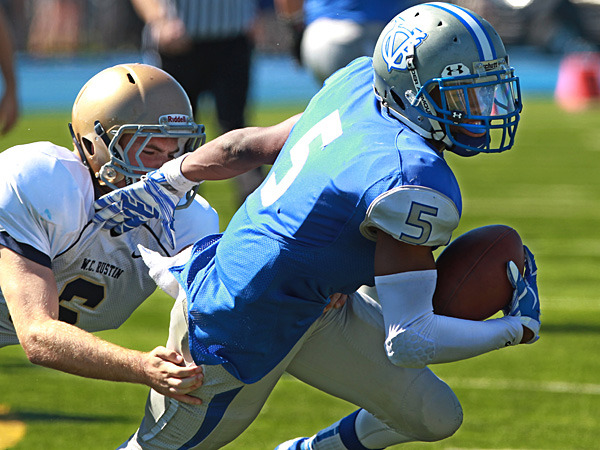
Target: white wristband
172	172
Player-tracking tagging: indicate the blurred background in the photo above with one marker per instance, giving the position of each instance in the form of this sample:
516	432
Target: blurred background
59	44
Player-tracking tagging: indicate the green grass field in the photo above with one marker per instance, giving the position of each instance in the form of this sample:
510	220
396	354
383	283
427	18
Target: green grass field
542	397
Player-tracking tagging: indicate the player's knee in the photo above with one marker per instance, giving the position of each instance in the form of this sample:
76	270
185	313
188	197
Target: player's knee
442	414
429	410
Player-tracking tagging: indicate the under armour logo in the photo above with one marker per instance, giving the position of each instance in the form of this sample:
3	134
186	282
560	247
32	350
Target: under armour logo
457	115
455	70
398	43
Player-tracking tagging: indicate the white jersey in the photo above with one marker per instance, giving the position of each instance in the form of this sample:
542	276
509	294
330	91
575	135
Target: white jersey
46	210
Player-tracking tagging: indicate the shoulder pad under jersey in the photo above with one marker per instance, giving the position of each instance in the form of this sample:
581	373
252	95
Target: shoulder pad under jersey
46	196
412	214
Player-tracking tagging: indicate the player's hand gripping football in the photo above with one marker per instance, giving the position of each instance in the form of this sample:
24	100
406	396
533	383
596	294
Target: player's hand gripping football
154	196
525	303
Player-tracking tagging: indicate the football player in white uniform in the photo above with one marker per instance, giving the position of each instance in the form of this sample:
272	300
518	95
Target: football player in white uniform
61	275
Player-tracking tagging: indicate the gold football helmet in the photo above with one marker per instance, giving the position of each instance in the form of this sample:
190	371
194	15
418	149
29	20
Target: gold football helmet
138	99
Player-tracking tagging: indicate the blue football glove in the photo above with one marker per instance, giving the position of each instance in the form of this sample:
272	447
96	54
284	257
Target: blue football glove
525	303
152	197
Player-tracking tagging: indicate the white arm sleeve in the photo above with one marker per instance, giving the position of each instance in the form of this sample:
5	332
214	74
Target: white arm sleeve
416	337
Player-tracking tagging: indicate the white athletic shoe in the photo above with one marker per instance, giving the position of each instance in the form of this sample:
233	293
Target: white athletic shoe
301	443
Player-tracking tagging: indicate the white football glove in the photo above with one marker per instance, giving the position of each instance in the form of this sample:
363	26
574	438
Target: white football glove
154	196
525	303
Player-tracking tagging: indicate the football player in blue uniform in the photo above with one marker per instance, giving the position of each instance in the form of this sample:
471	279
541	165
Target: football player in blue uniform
359	195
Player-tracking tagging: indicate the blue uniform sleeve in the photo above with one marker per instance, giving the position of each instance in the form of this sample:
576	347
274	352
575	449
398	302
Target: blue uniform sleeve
425	207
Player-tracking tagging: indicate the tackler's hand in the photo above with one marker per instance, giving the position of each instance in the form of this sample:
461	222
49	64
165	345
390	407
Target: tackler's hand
166	372
336	301
525	303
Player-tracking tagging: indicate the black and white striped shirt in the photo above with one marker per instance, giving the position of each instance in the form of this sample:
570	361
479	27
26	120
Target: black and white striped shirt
214	19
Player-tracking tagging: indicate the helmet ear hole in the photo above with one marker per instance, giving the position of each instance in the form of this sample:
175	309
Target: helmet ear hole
89	147
398	100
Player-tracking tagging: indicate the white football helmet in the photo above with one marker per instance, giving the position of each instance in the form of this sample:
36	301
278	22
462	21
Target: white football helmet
139	99
443	71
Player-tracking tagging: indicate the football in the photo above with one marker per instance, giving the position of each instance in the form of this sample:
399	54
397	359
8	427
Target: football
472	282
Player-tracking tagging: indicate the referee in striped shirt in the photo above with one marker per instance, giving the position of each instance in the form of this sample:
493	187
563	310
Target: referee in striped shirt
207	46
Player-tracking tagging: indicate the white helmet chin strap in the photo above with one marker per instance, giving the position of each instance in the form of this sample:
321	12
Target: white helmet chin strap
438	133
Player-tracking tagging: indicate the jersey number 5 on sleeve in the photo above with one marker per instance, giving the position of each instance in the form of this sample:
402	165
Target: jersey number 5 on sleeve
328	129
417	217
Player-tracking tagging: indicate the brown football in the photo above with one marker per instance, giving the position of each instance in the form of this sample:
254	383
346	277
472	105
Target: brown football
472	281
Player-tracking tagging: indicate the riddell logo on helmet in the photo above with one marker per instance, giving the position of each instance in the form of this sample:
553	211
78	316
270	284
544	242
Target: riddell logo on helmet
174	119
177	118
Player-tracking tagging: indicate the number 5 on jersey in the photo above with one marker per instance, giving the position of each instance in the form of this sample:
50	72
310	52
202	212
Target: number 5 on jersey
328	129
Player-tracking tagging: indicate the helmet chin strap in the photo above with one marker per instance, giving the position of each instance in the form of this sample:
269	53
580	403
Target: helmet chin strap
437	132
99	129
78	147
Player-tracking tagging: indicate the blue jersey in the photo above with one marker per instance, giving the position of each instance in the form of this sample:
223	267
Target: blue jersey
307	231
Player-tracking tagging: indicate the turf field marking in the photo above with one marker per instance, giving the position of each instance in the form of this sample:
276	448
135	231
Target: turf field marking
11	431
559	387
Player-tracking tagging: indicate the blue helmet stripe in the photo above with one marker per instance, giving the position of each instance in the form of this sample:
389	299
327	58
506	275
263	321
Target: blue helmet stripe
480	35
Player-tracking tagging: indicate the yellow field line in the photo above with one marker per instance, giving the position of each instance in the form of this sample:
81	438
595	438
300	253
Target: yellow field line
11	431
